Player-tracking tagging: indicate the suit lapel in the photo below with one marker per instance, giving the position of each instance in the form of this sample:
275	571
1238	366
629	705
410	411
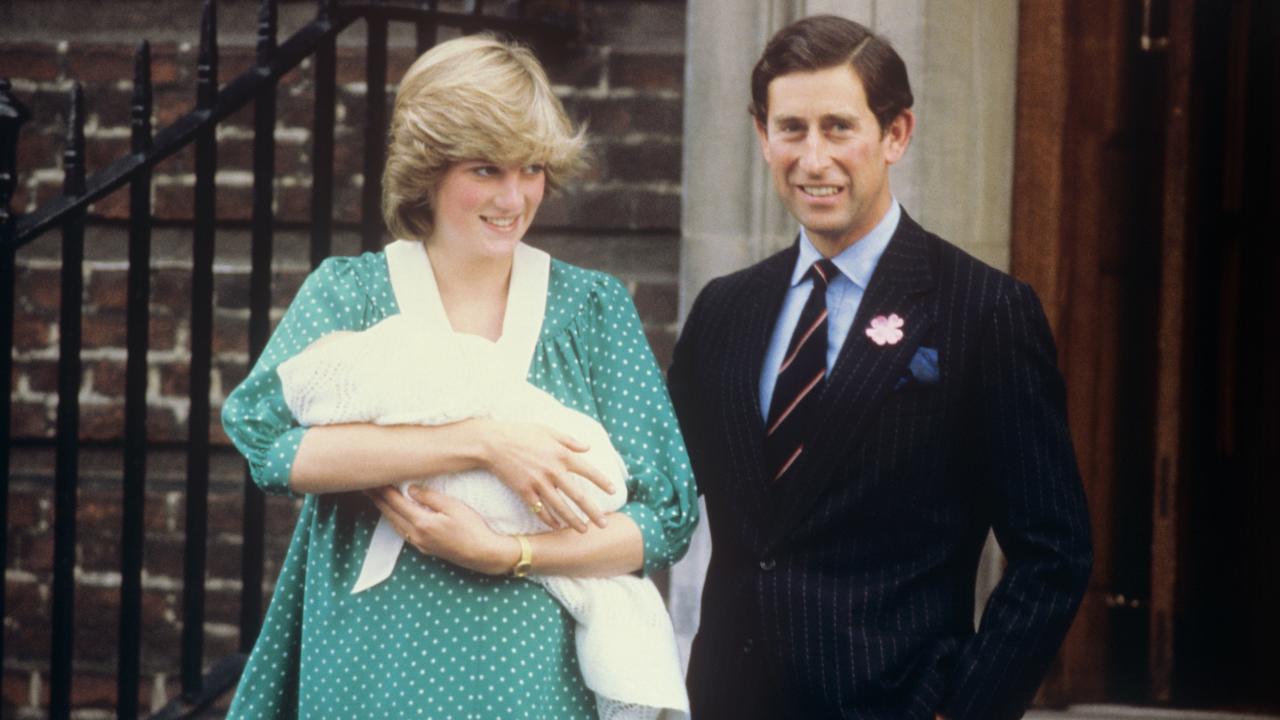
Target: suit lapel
754	323
864	372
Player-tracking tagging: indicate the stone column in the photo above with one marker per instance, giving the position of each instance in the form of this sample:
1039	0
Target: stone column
955	178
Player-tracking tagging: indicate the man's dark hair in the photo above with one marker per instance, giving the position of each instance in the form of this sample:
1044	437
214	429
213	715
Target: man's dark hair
826	41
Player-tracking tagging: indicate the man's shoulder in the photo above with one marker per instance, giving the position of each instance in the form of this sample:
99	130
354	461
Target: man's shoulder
954	265
752	278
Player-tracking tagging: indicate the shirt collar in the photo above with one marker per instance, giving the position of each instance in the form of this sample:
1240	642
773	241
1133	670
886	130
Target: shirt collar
857	261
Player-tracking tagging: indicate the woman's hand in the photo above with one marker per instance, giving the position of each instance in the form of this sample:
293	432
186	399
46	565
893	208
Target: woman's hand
446	528
536	461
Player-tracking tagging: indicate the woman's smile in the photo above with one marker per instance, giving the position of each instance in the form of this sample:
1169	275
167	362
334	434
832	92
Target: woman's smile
501	224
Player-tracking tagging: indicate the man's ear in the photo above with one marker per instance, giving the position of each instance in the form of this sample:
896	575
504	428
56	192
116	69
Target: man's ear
898	136
762	134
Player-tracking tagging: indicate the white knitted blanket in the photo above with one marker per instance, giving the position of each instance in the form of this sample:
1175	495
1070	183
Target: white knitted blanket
399	372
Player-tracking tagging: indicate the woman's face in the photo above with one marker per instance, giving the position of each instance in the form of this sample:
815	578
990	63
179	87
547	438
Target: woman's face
484	209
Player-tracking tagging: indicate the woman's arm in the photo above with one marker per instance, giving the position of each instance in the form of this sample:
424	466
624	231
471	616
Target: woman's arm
634	408
533	460
255	415
447	528
340	458
616	549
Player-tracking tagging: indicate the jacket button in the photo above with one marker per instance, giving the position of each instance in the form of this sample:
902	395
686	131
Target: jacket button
747	646
768	564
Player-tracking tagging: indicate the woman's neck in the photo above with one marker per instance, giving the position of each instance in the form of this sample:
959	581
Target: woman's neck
473	290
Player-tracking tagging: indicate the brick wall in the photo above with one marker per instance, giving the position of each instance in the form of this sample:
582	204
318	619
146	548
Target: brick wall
623	217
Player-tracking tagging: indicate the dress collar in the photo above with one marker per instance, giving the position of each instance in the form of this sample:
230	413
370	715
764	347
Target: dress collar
414	284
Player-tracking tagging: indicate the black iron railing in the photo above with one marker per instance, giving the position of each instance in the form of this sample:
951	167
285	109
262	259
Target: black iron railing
257	87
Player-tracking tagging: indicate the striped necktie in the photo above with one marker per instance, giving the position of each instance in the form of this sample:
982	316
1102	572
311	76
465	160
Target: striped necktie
800	377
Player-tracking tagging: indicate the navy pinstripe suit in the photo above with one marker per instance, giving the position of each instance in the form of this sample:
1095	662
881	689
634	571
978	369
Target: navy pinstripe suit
848	591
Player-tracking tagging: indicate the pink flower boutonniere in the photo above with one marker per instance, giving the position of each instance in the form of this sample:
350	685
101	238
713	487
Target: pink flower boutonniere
885	330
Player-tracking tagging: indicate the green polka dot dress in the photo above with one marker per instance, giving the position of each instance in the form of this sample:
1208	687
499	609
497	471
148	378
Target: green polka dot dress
435	640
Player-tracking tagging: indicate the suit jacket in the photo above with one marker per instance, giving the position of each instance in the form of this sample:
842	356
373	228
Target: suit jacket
848	591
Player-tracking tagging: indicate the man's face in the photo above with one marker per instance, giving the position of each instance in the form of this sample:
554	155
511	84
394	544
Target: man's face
827	154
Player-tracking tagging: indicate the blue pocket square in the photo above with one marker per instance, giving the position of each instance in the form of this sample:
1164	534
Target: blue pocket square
923	368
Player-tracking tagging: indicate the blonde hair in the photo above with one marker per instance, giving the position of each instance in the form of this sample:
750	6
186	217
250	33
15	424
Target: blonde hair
471	98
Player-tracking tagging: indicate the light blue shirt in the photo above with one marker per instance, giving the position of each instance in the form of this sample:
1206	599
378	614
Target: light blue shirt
844	294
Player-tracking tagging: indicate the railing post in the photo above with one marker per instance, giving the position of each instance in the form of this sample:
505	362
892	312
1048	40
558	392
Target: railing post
427	30
375	133
264	149
66	470
12	115
322	145
135	412
202	252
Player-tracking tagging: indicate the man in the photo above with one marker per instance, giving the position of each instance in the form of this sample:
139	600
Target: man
860	409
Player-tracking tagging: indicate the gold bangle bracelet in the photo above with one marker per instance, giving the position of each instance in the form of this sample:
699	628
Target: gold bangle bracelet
525	562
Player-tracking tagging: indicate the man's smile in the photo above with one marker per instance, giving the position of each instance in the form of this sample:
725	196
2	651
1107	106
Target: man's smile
821	191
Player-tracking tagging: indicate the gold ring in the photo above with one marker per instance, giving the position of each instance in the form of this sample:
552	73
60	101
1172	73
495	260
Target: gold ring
536	508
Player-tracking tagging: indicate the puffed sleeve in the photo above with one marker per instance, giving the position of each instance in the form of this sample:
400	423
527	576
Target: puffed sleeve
634	407
255	415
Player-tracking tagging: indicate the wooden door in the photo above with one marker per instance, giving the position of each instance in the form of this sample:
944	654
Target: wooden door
1216	559
1145	210
1086	236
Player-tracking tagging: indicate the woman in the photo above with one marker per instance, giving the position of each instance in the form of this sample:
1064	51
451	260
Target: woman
476	139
